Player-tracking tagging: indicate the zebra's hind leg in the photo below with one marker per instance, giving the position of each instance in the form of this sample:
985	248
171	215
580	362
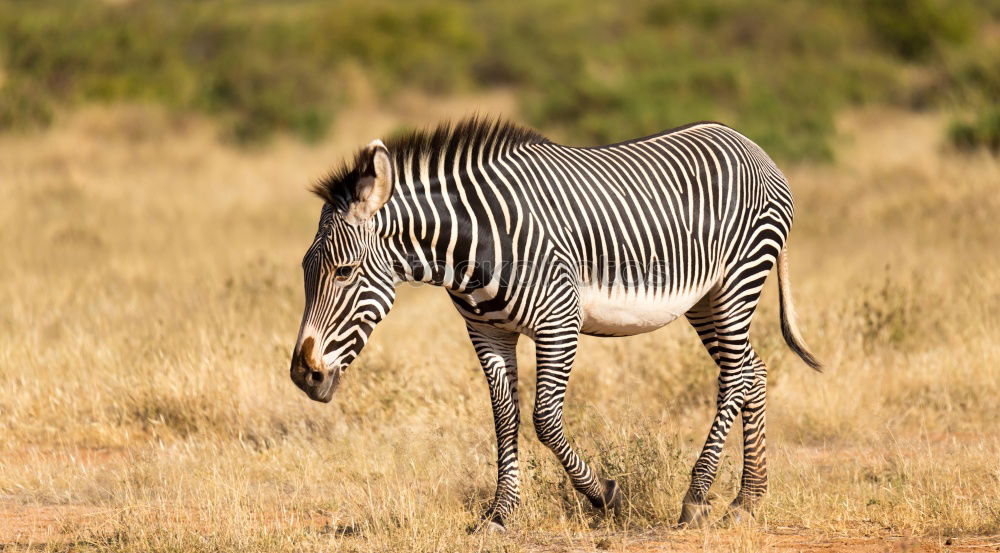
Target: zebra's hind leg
555	351
722	321
753	481
497	352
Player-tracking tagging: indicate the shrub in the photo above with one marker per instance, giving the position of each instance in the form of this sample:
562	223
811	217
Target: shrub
981	132
778	71
913	28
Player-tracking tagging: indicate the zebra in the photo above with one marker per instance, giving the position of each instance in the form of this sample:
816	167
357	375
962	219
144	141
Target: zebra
533	238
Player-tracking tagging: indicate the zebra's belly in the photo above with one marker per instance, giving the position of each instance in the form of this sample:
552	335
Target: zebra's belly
621	313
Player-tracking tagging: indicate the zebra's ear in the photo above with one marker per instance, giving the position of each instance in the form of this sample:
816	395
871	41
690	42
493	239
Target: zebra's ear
375	183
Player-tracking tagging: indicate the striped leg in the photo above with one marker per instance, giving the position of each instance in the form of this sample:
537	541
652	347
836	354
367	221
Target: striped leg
722	321
497	351
753	482
555	351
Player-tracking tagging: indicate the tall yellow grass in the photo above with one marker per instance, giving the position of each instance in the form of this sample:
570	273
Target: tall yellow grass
151	294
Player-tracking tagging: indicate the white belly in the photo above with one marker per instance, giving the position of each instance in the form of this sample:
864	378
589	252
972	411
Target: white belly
621	313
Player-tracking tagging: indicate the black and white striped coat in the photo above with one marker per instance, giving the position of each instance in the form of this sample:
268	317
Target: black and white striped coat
533	238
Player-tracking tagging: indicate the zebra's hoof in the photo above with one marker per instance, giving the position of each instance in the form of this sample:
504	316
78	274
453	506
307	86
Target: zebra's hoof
611	501
492	525
737	514
694	515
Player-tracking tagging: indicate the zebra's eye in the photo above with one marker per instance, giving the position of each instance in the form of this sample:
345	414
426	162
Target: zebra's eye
344	272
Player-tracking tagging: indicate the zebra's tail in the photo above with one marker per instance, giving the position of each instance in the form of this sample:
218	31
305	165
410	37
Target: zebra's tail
789	328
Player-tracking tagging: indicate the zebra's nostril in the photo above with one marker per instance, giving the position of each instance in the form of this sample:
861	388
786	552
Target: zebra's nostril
316	377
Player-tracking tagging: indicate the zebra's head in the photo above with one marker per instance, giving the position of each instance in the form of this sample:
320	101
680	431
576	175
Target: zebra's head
349	281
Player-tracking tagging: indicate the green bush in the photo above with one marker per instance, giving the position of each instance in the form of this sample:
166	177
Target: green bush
585	70
915	28
981	132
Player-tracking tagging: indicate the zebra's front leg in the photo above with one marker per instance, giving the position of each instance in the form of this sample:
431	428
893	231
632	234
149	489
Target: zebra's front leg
497	352
555	352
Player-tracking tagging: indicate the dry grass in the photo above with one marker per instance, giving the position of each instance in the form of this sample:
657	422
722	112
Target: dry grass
151	295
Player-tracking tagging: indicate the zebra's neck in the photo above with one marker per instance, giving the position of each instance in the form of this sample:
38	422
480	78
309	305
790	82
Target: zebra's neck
443	224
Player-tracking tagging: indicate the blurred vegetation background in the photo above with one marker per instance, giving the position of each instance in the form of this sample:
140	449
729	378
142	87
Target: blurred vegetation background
586	71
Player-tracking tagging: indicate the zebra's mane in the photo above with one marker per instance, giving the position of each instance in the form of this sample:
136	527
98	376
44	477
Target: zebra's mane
470	132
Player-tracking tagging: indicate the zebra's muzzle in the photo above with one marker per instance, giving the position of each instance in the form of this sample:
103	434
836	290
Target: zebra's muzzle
319	385
323	389
311	376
